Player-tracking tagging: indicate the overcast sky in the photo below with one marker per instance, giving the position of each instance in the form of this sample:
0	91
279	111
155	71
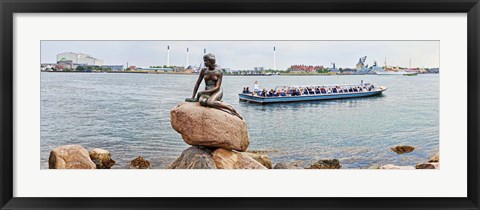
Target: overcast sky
249	54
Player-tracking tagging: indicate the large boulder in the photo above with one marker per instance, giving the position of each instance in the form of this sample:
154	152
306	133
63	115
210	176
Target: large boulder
194	158
226	159
326	164
102	158
70	157
210	127
261	158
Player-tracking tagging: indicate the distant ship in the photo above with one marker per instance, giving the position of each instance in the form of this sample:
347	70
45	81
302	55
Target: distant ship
381	71
361	67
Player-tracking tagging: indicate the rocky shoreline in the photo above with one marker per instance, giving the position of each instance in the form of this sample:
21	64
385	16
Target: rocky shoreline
218	140
197	157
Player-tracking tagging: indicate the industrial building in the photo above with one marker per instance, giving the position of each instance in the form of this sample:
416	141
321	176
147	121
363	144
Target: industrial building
79	58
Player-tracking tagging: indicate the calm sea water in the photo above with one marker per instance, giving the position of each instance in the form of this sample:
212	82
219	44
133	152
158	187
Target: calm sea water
129	115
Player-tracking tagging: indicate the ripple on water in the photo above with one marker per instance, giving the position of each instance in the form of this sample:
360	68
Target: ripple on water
128	114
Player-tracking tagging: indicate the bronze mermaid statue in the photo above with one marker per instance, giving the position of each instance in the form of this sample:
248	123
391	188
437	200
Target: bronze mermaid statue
213	93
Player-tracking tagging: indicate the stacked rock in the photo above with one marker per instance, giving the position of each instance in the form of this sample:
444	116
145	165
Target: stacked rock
217	138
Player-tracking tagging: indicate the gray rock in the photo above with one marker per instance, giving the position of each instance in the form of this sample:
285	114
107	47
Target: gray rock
194	158
326	164
292	165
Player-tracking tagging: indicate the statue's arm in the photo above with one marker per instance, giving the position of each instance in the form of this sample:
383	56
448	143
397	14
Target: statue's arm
199	80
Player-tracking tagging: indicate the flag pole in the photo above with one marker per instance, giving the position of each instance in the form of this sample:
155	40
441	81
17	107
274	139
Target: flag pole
168	55
187	59
274	59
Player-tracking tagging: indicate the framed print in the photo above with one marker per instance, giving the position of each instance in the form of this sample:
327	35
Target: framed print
363	104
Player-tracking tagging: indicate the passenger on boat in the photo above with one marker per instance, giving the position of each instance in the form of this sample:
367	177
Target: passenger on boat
247	90
264	93
294	92
278	93
255	87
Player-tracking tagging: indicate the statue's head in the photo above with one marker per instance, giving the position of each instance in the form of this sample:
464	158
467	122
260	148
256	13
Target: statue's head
209	59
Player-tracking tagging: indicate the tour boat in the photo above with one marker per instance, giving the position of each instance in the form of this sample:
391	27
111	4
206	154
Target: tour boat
313	93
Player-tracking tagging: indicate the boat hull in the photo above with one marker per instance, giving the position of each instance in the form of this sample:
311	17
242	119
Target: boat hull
286	99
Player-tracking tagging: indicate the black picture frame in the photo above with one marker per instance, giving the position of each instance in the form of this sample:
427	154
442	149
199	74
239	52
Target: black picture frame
9	7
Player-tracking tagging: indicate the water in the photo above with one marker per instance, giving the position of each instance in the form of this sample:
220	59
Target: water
129	115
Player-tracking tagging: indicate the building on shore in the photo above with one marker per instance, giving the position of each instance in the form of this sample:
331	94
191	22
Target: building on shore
305	68
258	68
79	58
178	69
112	67
47	66
63	65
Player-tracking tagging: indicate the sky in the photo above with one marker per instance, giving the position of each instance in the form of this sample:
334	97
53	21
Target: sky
243	55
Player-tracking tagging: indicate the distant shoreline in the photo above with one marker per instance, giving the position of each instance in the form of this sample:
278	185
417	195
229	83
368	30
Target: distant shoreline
237	75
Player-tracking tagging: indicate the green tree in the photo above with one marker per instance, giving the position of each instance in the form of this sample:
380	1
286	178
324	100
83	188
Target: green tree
80	68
